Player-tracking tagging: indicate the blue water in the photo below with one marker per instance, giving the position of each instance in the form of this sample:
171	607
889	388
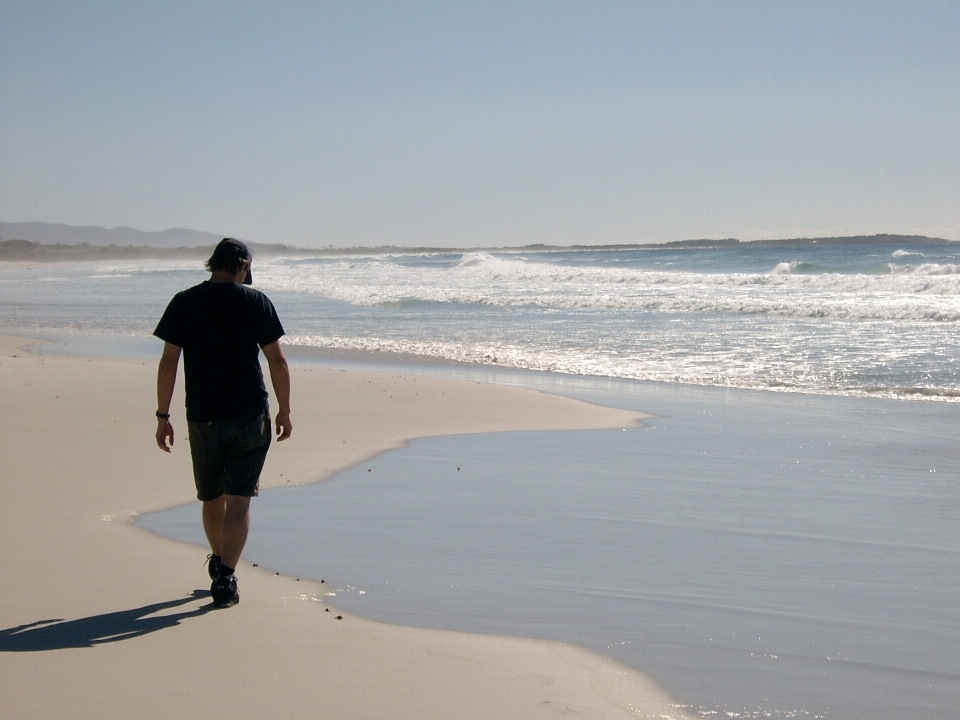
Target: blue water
760	554
864	320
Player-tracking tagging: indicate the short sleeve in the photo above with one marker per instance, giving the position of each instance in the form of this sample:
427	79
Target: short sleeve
270	328
171	327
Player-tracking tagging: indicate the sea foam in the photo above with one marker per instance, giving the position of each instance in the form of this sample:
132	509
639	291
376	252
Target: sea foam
480	279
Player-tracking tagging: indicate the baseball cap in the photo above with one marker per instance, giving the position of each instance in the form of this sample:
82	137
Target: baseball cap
229	253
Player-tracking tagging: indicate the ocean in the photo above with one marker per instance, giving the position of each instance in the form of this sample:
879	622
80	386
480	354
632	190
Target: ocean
867	320
783	540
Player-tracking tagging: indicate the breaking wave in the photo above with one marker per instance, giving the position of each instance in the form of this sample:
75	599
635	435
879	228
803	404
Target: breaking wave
929	292
765	372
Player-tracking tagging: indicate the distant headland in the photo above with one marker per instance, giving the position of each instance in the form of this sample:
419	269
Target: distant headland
46	242
794	242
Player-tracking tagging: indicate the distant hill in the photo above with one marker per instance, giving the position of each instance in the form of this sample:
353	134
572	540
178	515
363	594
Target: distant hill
795	242
26	250
36	241
56	234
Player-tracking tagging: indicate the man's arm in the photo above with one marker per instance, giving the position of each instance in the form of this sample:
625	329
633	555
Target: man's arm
280	376
166	380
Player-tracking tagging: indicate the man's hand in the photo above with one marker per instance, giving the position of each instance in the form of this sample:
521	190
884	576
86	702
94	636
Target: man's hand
284	426
165	433
166	379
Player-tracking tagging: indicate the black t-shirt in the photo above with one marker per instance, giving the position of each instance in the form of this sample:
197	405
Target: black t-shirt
221	328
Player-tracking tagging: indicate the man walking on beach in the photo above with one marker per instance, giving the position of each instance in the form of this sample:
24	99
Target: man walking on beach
220	326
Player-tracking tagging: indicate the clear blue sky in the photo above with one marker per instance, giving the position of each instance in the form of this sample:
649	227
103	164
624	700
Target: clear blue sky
483	123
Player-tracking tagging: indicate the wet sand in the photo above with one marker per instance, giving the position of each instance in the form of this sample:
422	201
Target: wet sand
99	618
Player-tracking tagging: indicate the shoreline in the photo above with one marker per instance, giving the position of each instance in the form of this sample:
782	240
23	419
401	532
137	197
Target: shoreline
131	347
278	655
718	478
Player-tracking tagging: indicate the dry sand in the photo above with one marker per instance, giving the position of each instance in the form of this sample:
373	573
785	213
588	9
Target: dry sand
98	618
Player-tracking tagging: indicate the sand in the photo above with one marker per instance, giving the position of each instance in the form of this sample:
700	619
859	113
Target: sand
101	619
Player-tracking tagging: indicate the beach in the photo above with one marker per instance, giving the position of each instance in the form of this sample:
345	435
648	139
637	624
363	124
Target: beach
761	555
779	540
102	619
624	351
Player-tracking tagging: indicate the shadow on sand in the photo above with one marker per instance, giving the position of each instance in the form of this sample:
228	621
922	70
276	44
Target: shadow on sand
58	634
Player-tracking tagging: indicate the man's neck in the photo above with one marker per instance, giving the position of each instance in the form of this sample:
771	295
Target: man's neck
222	276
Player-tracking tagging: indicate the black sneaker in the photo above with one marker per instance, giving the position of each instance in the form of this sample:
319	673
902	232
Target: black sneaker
224	591
213	566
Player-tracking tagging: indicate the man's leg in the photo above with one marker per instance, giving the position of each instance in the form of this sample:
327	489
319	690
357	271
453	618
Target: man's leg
233	536
235	526
246	443
213	516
